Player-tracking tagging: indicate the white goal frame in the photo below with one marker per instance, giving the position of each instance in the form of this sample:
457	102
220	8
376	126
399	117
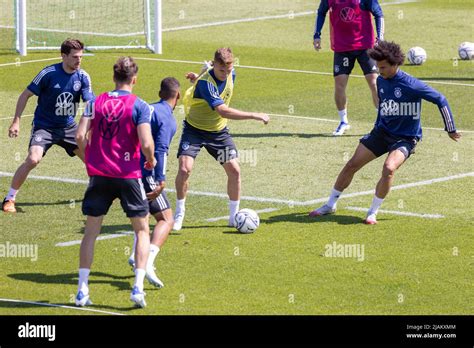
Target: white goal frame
153	29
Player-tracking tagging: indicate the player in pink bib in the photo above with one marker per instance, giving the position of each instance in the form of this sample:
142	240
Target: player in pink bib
112	131
352	34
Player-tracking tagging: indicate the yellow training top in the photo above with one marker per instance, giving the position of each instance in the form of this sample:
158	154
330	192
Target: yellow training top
198	111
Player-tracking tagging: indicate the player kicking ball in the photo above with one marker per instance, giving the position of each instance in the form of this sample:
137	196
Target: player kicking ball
397	128
163	128
207	111
59	88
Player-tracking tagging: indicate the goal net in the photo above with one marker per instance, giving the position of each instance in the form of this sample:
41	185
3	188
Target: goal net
104	24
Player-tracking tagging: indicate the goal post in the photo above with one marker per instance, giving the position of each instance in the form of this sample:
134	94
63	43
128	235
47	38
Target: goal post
101	25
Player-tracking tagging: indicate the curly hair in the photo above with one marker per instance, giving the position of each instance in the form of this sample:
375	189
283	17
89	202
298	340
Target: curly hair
389	51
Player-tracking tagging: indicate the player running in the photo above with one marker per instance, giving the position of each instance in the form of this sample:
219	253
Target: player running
207	110
111	135
163	128
352	33
397	128
59	88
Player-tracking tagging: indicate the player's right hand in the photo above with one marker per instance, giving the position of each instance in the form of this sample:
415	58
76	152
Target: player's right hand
191	76
317	44
263	117
14	129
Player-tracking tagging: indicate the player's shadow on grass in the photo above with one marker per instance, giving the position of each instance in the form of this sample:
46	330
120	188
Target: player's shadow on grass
291	135
19	206
304	218
71	278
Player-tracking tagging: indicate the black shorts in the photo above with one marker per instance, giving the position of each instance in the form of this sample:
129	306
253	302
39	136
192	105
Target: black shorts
102	191
380	142
64	137
161	202
219	144
344	62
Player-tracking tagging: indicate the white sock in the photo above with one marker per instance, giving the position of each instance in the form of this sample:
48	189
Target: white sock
154	250
132	255
343	115
11	194
84	280
180	205
233	208
139	278
376	203
333	198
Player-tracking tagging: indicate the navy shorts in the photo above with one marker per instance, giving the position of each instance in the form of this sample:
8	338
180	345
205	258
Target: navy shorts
102	191
219	144
380	142
160	203
344	62
64	137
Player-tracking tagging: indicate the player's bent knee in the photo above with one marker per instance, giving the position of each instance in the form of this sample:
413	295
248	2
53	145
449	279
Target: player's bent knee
389	169
32	161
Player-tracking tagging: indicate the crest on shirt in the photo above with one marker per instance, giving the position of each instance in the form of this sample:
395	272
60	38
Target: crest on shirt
398	92
77	86
185	145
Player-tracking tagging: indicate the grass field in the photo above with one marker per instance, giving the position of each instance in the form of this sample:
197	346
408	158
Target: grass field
411	264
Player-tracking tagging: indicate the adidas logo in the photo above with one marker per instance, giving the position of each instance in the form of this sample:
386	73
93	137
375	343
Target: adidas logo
57	85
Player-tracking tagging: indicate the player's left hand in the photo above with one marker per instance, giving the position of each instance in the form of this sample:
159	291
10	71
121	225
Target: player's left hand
14	129
455	136
156	192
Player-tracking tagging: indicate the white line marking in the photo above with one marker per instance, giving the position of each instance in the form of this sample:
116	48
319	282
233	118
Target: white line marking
11	117
270	200
360	122
288	70
267	210
398	187
21	62
60	306
107	236
403	213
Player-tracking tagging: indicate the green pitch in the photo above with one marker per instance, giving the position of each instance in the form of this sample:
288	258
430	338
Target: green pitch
404	265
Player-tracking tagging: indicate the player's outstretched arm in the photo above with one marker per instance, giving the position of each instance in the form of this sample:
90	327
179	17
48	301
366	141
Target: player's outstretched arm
14	129
234	114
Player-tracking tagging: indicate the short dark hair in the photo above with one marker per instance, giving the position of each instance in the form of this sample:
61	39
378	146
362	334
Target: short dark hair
71	44
125	69
224	56
169	87
389	51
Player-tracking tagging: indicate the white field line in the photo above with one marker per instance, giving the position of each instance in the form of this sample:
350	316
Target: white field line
21	62
107	236
267	210
272	200
398	187
402	213
60	306
337	121
296	117
296	71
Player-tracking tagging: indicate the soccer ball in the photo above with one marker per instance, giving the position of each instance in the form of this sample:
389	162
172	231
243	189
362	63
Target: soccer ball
246	221
466	51
416	55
